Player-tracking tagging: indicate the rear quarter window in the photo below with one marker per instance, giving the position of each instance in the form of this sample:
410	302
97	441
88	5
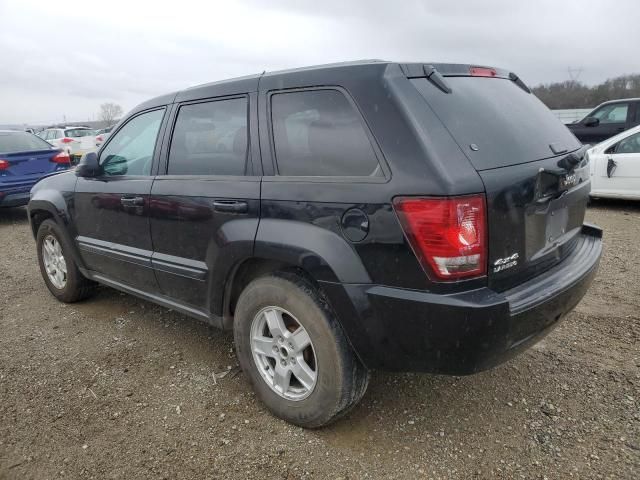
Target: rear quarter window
318	133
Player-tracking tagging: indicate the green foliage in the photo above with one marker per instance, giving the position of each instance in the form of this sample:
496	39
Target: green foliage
569	94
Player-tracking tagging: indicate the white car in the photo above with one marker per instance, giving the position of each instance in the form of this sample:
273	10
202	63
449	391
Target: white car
102	135
76	141
615	166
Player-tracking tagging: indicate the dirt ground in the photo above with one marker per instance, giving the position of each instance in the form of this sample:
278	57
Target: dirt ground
115	387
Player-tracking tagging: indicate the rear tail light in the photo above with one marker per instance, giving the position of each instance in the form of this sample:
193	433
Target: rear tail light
482	72
67	140
61	158
99	138
448	235
4	164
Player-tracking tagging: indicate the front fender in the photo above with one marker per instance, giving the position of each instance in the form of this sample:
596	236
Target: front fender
51	198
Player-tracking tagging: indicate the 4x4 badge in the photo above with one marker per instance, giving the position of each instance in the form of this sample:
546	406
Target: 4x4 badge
506	262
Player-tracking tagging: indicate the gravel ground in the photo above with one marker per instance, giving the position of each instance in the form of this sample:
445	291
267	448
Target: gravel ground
115	387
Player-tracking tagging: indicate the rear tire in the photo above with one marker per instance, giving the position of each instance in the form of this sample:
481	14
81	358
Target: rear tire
335	381
57	266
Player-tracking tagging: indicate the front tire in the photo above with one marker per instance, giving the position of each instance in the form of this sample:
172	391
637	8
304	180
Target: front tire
292	348
57	266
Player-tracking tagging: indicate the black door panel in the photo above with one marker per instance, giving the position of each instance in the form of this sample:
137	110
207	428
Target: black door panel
193	238
205	211
111	211
107	228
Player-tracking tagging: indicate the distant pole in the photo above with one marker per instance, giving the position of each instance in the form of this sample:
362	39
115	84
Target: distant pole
574	74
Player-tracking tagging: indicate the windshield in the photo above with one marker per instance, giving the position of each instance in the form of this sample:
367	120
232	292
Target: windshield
79	132
12	142
505	124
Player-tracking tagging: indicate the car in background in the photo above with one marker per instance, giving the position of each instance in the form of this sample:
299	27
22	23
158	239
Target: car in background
615	166
76	141
102	135
606	120
25	159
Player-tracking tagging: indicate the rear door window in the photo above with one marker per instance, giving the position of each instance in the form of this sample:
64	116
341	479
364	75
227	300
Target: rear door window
210	138
319	133
505	124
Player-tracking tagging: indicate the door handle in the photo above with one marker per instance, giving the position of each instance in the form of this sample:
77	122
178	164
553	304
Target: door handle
230	206
132	201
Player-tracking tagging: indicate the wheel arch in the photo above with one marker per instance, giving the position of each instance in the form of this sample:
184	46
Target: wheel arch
40	210
248	270
314	253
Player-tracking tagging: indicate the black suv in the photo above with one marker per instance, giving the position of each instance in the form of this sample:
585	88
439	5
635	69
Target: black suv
606	120
340	218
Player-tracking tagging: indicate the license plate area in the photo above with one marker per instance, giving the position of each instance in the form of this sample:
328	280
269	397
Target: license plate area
557	225
553	225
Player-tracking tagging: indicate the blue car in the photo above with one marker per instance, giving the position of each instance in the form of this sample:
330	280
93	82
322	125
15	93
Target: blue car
25	159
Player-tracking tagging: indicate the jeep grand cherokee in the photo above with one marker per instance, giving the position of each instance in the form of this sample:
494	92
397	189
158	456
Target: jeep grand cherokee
340	218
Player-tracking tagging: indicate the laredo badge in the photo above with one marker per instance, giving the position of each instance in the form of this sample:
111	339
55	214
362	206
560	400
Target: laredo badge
506	262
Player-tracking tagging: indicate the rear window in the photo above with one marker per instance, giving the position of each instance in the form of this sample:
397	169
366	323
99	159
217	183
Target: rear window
318	133
12	142
79	132
507	125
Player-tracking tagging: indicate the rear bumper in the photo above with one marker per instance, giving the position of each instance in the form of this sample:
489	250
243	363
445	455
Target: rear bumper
14	196
408	330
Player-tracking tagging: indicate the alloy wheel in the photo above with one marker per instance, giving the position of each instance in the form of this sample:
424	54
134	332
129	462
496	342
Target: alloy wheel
54	262
283	353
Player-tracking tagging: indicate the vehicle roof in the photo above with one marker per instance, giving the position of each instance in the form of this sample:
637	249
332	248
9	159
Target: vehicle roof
13	131
331	73
69	127
249	83
632	99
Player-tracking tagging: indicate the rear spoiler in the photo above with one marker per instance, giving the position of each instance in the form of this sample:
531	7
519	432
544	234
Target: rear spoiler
436	73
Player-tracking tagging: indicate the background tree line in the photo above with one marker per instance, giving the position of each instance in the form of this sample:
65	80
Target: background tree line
572	94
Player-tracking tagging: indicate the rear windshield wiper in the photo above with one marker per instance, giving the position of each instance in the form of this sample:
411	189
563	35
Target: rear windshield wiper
436	78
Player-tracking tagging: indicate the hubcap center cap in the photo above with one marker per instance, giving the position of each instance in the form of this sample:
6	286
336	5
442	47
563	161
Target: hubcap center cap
283	352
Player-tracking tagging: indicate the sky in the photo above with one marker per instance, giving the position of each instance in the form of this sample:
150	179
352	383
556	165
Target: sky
61	59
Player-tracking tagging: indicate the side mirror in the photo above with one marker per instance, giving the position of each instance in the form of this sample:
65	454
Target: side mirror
591	122
88	166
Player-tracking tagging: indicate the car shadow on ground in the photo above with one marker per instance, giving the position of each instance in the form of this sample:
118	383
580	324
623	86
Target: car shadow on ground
429	401
11	216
